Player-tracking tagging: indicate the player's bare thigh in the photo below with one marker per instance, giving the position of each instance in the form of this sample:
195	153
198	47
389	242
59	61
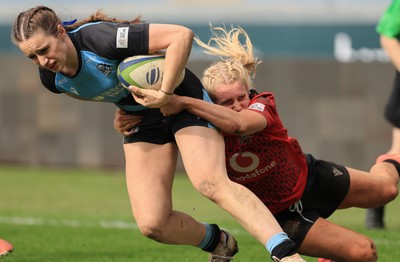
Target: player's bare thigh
150	170
203	153
328	240
372	189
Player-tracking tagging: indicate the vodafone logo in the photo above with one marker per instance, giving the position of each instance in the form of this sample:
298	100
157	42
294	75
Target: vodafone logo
244	162
246	167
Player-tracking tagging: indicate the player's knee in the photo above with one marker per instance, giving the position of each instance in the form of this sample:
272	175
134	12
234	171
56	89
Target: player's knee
363	252
390	193
209	189
394	192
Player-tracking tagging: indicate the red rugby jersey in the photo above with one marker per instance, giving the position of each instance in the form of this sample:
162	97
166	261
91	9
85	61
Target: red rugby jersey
269	162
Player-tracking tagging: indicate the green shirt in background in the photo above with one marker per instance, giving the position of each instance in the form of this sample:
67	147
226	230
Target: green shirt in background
389	24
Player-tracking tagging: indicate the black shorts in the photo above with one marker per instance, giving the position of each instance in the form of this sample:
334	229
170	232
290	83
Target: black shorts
392	110
327	186
157	129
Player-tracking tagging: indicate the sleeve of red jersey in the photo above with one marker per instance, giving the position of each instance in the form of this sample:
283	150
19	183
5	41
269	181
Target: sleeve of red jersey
264	106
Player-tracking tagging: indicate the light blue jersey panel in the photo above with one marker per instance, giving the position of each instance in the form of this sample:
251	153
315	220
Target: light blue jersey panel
97	80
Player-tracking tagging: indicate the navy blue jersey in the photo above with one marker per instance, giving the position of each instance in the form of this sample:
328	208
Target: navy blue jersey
101	46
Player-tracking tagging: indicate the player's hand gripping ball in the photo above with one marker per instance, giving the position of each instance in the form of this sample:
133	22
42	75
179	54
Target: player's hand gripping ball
144	71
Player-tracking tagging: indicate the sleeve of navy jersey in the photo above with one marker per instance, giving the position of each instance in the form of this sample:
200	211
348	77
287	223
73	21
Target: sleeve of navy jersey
114	41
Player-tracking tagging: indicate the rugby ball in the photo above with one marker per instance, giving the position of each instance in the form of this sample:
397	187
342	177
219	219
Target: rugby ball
144	71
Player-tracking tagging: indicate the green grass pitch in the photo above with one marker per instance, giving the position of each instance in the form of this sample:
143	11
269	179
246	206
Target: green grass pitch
84	215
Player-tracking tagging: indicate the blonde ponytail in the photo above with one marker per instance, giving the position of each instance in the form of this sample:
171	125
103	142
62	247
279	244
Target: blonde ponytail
237	60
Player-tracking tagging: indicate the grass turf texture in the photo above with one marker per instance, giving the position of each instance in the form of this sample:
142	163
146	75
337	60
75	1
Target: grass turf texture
80	215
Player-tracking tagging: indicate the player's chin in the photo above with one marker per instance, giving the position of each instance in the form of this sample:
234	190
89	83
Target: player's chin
56	68
53	70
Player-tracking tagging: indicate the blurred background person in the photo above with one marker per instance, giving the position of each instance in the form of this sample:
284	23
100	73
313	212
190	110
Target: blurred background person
389	30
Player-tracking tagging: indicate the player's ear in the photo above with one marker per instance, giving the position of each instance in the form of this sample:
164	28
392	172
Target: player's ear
61	31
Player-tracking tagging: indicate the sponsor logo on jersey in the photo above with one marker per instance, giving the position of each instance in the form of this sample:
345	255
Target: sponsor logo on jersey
122	37
248	163
251	164
104	68
257	106
62	81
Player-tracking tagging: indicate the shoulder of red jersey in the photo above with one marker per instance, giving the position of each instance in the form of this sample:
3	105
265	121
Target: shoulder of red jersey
258	101
253	94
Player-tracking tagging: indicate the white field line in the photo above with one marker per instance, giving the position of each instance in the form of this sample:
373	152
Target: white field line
116	224
34	221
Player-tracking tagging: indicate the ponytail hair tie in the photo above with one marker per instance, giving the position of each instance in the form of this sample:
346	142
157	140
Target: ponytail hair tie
70	22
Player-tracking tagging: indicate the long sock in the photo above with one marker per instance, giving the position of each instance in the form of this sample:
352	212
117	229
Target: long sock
280	245
212	238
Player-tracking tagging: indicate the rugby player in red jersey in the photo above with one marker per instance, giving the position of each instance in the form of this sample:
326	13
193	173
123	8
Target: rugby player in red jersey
301	191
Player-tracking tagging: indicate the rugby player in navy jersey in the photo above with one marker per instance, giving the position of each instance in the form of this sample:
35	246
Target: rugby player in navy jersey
80	59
